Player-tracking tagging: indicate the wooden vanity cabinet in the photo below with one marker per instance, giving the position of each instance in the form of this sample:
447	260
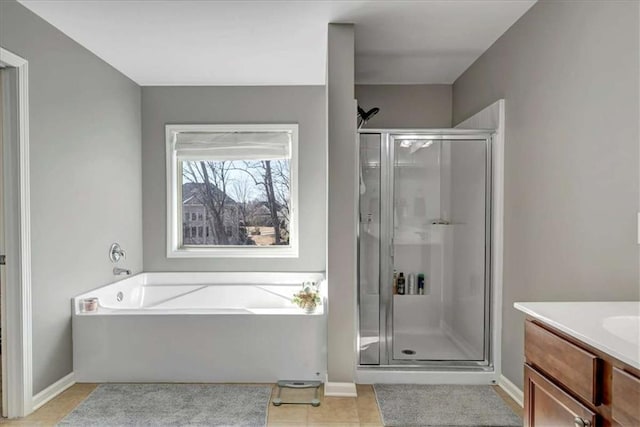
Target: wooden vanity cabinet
569	383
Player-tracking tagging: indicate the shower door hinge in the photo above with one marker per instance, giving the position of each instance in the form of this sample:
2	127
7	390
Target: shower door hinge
3	259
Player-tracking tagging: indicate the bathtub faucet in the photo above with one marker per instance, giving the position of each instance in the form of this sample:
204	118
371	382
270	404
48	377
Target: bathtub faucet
118	271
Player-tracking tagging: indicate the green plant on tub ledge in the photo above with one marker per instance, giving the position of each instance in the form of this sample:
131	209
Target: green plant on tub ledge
308	298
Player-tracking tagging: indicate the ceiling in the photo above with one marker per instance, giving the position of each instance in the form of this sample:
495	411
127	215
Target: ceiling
184	42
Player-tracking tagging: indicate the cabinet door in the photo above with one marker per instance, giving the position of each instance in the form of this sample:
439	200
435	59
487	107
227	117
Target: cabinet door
625	407
548	405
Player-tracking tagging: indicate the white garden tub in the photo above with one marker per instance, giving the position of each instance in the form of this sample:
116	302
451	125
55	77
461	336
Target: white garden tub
200	327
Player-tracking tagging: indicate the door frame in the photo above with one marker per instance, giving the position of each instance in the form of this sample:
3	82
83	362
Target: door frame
16	304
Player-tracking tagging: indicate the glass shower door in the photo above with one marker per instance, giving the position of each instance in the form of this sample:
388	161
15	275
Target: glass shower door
439	256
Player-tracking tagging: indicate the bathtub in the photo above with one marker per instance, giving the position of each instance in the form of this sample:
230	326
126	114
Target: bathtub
200	327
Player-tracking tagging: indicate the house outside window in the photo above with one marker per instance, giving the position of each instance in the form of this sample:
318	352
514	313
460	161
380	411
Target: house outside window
239	182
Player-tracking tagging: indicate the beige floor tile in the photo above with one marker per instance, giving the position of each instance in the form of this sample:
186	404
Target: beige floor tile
287	413
334	410
367	397
334	424
55	410
81	389
368	411
364	389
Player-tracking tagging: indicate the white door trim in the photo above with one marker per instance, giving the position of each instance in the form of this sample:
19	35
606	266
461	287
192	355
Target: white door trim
17	302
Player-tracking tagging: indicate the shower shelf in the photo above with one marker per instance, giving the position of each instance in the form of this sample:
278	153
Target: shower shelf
431	235
410	296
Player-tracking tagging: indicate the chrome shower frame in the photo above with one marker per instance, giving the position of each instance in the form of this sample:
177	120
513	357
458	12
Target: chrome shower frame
387	162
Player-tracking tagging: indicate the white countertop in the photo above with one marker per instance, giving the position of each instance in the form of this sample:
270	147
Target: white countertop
613	327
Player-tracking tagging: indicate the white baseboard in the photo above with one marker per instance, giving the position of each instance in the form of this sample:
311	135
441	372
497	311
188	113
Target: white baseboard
53	390
340	389
511	389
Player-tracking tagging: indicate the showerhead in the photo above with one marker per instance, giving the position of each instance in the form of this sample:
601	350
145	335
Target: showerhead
365	116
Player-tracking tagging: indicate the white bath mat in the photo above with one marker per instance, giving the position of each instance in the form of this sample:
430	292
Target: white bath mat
117	405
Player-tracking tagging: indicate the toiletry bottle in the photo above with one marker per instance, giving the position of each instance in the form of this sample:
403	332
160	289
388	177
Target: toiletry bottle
401	284
420	284
411	289
395	282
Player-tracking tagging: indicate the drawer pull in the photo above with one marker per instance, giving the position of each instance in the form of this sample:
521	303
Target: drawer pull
579	422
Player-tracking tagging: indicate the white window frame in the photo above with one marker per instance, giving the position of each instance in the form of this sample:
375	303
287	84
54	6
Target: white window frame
174	198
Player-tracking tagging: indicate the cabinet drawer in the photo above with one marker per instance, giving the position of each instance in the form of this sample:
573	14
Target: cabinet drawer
625	398
570	365
546	405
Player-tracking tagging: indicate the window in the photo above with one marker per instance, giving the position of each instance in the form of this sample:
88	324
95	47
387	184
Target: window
242	181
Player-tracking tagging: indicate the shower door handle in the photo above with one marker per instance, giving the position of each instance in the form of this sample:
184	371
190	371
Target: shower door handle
3	260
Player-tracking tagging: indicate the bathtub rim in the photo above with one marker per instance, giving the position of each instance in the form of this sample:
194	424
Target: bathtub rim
254	279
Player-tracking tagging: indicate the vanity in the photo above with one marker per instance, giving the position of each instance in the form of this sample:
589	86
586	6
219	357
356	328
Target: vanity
582	364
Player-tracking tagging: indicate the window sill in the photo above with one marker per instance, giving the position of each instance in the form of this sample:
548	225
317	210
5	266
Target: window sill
263	252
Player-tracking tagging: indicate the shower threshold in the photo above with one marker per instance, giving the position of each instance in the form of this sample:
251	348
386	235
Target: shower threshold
414	374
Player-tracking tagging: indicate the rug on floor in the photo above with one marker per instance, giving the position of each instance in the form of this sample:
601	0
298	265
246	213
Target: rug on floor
173	405
443	405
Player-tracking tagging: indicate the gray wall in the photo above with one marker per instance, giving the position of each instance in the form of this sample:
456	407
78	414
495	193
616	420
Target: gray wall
85	177
343	195
569	74
407	106
304	105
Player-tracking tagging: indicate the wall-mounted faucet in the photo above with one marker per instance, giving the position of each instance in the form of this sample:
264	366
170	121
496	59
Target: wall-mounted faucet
116	252
118	271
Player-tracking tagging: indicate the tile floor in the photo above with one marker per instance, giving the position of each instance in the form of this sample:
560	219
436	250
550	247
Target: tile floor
332	412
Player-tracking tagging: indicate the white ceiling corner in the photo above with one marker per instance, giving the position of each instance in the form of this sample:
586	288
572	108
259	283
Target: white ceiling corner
186	42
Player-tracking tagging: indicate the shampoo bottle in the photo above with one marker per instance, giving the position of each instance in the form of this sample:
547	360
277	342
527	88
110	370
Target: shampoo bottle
401	286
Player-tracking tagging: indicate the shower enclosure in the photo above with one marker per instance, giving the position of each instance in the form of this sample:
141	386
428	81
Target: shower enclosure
425	218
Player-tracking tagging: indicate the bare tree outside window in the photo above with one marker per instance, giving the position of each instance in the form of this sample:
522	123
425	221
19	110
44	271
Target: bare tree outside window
241	202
